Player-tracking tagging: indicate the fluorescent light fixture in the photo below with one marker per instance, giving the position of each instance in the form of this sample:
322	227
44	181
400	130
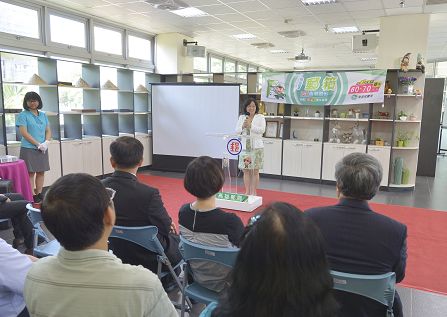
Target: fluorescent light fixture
314	2
244	36
189	12
345	29
69	59
278	51
368	59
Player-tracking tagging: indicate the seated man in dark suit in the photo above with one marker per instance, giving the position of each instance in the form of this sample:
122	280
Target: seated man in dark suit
13	206
359	240
137	204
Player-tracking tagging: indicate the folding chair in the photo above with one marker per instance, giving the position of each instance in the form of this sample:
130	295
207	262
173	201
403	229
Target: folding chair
146	237
50	246
208	310
380	288
195	251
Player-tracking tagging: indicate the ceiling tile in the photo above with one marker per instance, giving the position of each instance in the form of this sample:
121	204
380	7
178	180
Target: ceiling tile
403	11
363	5
248	6
217	9
368	14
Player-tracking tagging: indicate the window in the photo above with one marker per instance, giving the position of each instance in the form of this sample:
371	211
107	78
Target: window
60	27
252	69
241	67
441	69
19	20
108	41
230	66
200	64
139	48
216	64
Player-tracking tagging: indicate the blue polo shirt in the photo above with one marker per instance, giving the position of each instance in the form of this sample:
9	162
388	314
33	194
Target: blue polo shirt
35	125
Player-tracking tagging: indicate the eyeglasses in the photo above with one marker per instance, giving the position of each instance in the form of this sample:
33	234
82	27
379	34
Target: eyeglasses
111	192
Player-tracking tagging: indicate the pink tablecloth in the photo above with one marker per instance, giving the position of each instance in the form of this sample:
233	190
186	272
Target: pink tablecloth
18	173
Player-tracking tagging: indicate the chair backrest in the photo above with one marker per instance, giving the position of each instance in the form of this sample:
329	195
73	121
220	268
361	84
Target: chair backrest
207	312
195	251
145	237
380	288
40	229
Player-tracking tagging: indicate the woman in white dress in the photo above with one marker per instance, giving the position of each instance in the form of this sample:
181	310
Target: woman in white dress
251	159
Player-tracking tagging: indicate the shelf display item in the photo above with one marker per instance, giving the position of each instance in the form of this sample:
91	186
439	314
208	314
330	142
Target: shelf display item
334	113
81	83
335	136
358	135
398	169
141	88
271	129
317	114
420	63
402	116
405	176
36	80
109	85
383	115
379	142
388	89
405	62
412	117
407	83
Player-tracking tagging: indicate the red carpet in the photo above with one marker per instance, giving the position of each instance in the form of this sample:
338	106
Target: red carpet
427	229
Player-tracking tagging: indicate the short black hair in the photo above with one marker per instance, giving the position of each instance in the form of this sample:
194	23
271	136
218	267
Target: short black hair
203	177
126	151
31	96
73	210
249	101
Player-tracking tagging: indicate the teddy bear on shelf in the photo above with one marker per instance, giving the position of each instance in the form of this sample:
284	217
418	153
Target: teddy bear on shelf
405	62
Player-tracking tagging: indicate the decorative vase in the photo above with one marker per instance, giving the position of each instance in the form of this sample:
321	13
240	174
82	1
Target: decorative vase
408	89
398	167
405	143
405	175
400	143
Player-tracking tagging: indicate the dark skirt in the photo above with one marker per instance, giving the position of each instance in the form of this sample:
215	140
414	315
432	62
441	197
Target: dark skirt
35	160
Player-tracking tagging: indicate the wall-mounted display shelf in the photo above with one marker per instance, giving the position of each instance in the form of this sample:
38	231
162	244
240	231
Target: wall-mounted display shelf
84	114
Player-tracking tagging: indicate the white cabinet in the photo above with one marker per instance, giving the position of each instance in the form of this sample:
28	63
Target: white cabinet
54	156
382	153
82	156
333	153
302	159
146	140
106	141
272	156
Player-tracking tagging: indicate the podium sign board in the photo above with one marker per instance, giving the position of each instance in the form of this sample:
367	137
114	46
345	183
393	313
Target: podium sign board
232	195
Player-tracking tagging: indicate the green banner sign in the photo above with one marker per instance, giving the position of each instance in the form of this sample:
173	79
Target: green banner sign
324	88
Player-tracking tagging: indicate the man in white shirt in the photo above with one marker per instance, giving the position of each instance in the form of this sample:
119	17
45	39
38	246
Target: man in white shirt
84	279
13	268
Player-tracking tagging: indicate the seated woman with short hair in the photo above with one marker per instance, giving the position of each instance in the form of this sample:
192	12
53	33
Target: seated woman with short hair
201	222
281	269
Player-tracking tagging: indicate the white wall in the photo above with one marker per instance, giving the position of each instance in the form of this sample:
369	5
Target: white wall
170	54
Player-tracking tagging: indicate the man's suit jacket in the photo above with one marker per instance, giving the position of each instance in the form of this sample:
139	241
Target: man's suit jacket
361	241
137	204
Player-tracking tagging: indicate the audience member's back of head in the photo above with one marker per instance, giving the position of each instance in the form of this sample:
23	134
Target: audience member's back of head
203	177
281	269
358	176
126	152
73	210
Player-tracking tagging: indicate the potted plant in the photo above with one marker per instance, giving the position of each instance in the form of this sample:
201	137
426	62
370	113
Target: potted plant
403	138
402	116
380	142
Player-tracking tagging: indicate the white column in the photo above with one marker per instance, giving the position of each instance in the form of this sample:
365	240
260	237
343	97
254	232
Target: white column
402	34
170	57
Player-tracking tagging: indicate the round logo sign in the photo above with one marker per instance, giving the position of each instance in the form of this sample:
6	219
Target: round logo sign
234	146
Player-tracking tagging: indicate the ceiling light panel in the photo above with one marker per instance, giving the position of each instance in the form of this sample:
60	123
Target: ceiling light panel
345	29
244	36
315	2
190	12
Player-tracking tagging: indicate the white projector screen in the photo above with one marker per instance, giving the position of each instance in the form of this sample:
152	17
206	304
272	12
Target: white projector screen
183	116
